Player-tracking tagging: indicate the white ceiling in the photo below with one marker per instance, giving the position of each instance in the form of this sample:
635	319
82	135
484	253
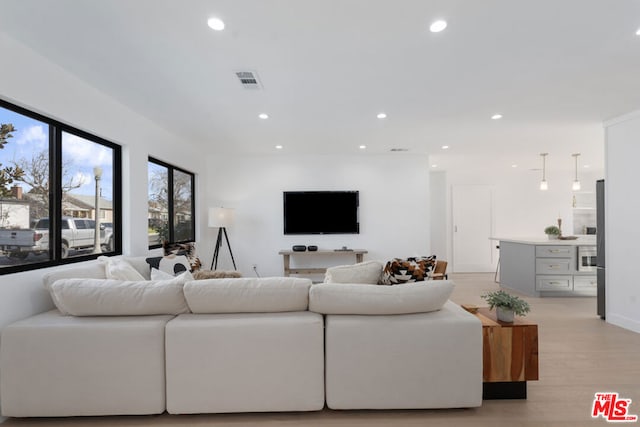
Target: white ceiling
556	69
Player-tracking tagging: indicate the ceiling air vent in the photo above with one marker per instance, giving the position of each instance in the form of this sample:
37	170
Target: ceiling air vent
249	79
398	150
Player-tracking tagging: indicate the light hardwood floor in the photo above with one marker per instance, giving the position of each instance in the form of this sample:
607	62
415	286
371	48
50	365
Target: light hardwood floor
579	356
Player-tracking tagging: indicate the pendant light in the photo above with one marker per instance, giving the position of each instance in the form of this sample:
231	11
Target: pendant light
576	183
543	184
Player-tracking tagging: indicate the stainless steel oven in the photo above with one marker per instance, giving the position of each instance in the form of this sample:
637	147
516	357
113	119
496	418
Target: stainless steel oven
587	258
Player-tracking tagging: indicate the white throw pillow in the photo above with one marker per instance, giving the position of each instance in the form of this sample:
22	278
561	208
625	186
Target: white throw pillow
98	297
161	275
419	297
368	272
119	269
248	295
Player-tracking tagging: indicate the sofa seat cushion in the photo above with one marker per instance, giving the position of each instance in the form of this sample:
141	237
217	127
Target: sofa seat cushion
248	295
332	298
367	272
59	366
107	297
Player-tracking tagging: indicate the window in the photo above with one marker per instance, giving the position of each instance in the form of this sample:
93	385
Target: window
171	213
48	174
87	172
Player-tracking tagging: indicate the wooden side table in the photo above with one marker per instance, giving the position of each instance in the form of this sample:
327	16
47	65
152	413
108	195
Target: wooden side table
509	356
286	259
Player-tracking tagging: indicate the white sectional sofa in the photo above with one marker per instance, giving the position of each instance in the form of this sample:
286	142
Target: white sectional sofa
241	345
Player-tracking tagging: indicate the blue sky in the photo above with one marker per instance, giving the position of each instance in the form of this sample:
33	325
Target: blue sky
32	136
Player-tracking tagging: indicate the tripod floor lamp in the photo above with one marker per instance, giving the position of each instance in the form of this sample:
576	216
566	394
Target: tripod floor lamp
221	218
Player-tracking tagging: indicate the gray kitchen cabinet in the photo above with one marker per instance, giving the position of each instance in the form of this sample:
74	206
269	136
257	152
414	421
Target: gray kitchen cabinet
545	268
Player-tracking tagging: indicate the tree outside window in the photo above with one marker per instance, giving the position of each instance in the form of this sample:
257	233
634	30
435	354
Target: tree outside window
171	204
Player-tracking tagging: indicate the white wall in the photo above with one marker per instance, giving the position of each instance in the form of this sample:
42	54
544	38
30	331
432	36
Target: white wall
438	210
394	208
31	81
622	214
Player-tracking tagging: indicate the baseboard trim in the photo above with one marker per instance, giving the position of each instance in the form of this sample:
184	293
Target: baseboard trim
624	322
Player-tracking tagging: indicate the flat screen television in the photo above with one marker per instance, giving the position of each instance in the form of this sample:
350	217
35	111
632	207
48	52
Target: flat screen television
321	212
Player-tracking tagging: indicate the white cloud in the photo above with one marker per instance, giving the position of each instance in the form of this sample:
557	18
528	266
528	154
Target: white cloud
34	135
86	153
83	178
88	185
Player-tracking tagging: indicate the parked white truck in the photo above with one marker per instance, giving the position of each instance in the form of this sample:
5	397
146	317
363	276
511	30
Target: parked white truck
77	233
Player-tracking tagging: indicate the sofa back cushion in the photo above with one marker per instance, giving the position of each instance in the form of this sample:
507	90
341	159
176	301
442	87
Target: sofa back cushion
92	270
248	295
367	272
108	297
331	298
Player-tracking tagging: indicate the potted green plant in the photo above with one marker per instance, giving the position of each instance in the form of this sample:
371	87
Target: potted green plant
552	232
506	305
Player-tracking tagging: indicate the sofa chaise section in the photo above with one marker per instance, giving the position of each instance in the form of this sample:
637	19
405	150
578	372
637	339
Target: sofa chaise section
55	365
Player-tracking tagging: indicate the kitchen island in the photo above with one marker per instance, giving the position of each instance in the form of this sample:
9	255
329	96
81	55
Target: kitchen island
541	267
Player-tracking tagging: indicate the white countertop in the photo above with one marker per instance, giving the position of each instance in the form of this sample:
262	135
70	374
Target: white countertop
585	240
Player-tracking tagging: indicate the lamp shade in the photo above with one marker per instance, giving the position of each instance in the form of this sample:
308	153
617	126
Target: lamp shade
221	217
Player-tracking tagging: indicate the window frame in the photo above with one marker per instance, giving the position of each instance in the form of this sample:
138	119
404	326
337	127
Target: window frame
170	202
55	191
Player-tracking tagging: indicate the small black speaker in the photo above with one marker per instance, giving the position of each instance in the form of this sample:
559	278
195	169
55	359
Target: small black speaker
299	248
312	248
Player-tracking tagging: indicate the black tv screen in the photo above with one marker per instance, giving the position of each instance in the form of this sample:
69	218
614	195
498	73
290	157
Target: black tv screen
321	212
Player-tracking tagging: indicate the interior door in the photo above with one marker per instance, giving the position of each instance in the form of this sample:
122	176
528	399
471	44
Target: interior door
472	208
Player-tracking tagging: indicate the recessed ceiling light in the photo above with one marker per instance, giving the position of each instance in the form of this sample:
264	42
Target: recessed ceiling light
445	147
382	115
434	166
216	24
496	117
587	166
263	116
514	166
362	147
438	26
279	147
638	32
